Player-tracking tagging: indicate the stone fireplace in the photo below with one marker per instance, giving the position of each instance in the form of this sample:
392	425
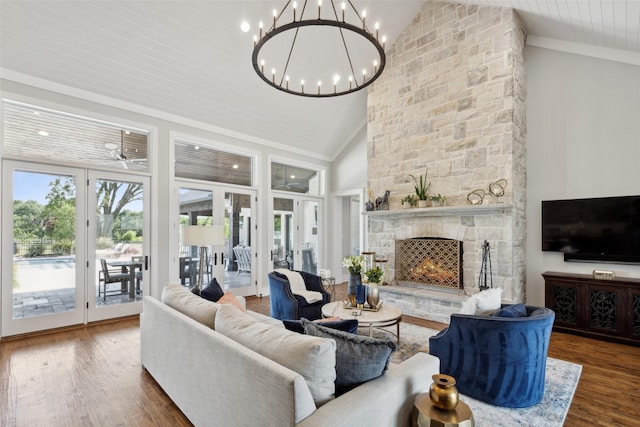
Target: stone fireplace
452	101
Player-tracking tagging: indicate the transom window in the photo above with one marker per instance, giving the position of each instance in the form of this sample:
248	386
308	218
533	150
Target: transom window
209	164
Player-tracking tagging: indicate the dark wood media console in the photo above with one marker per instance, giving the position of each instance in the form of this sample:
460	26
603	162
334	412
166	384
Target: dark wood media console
607	309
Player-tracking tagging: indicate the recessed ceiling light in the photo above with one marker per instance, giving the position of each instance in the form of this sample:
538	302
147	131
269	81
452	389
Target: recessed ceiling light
245	27
43	133
292	176
37	113
110	146
126	132
235	166
197	147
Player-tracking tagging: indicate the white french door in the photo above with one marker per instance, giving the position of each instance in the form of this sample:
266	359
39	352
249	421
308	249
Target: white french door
295	232
118	238
234	263
50	245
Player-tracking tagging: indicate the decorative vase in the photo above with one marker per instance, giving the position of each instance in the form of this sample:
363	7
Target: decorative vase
368	206
361	295
443	392
354	280
373	295
406	205
423	203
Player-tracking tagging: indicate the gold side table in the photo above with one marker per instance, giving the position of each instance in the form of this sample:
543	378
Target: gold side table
427	415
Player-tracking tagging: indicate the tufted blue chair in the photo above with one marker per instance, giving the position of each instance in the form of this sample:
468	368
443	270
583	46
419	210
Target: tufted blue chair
287	306
498	360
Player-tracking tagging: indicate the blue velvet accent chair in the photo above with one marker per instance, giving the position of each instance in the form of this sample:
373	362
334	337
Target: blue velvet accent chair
497	360
287	306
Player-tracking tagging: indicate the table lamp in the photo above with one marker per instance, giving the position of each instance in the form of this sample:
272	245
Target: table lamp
202	236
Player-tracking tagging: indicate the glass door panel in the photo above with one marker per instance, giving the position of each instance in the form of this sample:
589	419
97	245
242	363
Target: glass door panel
44	287
282	252
239	249
196	209
309	232
120	254
230	256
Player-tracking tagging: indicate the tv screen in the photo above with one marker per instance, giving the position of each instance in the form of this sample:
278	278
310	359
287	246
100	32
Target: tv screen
603	229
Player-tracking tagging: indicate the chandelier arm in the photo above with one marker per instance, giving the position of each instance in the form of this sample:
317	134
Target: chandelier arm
286	66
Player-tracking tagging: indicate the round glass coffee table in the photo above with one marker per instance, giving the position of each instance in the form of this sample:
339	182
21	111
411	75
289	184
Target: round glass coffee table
387	315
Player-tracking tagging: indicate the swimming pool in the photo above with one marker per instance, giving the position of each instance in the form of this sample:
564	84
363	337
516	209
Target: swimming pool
45	260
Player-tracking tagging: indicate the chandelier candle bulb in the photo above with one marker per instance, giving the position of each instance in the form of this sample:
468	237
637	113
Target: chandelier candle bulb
260	25
319	5
295	6
377	28
275	16
344	6
364	18
273	75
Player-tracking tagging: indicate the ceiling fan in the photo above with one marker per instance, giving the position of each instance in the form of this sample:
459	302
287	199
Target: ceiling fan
290	186
118	154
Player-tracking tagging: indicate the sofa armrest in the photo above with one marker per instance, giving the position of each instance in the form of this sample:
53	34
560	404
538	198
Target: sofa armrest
384	401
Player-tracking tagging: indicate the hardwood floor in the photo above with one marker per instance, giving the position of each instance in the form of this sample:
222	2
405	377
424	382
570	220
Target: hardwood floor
91	376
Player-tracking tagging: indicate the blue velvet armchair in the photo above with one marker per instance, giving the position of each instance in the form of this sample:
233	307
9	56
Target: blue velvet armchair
287	306
498	360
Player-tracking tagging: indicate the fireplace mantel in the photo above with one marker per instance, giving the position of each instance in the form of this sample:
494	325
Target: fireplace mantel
495	209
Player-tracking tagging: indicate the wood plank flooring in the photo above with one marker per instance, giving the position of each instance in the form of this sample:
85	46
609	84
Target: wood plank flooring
91	376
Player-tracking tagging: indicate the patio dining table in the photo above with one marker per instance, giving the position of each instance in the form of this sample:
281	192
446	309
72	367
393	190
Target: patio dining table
130	267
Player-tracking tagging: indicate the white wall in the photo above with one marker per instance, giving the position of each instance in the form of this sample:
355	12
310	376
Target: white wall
349	169
583	121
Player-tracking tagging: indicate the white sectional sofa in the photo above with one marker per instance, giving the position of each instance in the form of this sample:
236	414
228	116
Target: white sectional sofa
217	381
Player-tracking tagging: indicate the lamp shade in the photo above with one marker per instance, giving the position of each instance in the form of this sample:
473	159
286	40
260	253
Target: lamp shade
195	235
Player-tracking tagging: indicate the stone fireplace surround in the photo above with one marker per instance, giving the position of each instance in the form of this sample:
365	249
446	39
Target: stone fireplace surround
452	100
469	224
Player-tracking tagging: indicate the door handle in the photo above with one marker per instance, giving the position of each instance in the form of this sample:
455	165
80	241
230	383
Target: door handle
146	262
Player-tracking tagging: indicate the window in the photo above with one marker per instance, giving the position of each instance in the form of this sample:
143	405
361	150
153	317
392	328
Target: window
296	179
194	161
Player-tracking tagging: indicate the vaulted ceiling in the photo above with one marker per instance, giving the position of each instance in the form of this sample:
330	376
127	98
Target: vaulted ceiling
189	60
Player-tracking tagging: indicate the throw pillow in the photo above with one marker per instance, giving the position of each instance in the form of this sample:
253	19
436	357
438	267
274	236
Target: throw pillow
483	302
213	291
358	358
230	298
515	310
346	325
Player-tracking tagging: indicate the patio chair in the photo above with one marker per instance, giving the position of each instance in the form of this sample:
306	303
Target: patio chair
113	275
139	259
186	270
243	258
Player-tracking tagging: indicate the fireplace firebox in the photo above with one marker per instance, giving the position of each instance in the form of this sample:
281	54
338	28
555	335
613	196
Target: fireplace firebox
427	262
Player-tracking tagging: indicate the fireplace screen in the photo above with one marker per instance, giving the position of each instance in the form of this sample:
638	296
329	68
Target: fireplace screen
429	261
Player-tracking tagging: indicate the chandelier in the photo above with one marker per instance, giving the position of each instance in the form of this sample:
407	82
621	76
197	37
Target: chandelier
321	52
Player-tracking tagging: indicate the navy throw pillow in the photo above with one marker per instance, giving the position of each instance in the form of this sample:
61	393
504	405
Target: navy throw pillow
515	310
345	325
359	358
213	291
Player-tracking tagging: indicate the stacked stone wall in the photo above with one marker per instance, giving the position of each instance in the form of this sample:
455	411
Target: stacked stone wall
452	100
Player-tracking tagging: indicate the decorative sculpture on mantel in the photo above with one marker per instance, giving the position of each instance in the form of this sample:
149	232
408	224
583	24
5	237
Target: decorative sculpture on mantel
382	203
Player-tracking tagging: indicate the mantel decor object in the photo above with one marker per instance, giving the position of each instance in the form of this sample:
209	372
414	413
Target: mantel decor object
476	197
496	189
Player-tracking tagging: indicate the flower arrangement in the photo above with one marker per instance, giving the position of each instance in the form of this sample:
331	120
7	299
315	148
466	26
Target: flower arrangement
410	199
374	275
355	263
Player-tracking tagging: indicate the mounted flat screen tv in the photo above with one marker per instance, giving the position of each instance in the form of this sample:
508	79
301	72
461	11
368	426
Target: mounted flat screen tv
603	229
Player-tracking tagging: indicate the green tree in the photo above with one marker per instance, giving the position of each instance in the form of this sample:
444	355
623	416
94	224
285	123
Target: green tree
27	219
112	198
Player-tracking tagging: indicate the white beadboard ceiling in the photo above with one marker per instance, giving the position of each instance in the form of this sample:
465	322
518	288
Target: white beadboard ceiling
188	60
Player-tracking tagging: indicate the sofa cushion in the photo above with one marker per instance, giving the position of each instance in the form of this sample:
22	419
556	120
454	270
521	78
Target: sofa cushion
346	325
183	300
358	358
213	291
515	310
312	357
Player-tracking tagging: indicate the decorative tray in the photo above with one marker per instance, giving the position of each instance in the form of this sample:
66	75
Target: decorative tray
347	305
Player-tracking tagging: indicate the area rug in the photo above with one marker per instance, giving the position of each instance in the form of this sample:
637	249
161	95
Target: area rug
561	381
